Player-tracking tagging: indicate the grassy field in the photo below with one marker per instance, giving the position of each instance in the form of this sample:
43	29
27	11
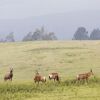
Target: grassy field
68	58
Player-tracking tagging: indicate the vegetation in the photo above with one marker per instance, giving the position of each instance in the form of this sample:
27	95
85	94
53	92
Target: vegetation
40	34
82	34
95	35
8	38
68	58
50	91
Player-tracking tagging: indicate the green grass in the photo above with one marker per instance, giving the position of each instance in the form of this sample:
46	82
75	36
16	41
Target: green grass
68	58
51	91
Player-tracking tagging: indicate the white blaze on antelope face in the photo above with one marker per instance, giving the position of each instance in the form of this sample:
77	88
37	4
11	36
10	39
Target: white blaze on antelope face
77	76
50	76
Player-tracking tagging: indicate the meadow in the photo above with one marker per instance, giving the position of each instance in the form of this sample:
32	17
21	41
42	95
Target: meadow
68	58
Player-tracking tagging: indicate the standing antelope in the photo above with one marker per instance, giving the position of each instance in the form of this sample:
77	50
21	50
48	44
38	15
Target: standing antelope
54	76
9	76
38	78
85	76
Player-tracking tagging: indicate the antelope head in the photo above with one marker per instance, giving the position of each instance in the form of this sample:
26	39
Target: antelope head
36	73
11	70
91	72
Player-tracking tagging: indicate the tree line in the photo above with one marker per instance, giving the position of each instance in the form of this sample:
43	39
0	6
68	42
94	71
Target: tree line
38	34
82	34
8	38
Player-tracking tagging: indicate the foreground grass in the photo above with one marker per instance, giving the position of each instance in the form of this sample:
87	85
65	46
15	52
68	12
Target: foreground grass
67	90
68	58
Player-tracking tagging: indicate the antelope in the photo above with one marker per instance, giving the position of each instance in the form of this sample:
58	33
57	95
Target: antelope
9	76
54	76
85	76
38	78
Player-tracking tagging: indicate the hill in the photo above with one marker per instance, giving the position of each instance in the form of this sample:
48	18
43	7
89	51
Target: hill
68	58
63	24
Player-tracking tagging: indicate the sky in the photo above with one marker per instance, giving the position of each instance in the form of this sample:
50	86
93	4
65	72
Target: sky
22	16
19	9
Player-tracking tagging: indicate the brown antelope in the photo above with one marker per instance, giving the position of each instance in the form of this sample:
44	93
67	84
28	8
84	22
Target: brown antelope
38	78
85	76
54	76
9	76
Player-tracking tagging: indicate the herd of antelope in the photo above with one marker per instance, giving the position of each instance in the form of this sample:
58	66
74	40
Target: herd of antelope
38	78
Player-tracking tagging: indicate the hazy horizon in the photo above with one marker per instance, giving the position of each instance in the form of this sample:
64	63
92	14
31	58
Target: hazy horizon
19	9
62	17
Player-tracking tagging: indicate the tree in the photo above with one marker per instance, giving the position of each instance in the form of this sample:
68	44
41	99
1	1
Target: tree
43	35
10	37
81	34
28	37
40	34
95	34
1	39
52	36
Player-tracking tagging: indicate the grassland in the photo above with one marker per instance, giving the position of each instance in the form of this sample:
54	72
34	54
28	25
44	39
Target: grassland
68	58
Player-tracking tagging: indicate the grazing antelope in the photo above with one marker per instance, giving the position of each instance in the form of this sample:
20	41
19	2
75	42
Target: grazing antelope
9	76
85	76
54	76
38	78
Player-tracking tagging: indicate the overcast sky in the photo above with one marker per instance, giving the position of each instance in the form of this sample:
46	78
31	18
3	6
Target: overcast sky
16	9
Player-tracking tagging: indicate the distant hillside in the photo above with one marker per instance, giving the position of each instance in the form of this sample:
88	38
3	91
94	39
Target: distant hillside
68	58
63	24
